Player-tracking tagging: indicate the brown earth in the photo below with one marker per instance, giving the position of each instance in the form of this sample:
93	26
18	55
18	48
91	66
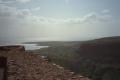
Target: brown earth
28	66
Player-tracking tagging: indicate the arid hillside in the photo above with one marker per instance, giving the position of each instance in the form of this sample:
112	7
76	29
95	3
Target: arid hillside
28	66
101	58
98	59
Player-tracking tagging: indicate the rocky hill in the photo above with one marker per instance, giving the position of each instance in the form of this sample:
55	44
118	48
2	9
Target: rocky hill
104	47
22	65
101	57
98	59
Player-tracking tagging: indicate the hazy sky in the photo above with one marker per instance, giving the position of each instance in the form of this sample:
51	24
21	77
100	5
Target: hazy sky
59	19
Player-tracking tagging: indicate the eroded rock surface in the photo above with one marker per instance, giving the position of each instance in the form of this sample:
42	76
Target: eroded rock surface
29	66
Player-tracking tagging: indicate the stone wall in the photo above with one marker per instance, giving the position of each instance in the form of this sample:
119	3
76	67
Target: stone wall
12	48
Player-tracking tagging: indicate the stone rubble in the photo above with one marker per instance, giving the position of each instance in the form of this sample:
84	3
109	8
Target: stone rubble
29	66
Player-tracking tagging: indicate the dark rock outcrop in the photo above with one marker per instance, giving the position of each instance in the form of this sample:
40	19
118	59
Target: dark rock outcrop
3	68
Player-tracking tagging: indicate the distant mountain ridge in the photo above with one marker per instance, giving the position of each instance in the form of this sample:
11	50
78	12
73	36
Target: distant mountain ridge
102	56
113	39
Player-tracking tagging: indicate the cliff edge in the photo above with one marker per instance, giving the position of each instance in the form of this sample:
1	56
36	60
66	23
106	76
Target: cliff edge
28	66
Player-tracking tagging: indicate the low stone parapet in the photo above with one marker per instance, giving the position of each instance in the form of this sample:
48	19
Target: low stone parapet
12	48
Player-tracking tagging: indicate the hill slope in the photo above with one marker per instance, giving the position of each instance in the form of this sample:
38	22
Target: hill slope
29	66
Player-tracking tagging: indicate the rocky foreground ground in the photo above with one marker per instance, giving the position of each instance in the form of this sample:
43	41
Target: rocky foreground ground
28	66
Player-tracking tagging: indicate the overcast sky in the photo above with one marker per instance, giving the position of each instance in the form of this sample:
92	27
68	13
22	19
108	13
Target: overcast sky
59	19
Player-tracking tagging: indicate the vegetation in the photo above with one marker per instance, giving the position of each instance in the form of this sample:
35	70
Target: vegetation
60	54
97	59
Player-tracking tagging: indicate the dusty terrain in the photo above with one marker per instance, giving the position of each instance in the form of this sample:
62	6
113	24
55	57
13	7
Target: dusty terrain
28	66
